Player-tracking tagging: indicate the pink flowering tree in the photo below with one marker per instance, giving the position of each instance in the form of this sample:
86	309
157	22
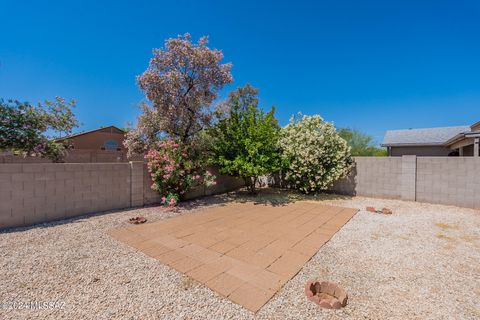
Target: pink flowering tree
180	84
173	172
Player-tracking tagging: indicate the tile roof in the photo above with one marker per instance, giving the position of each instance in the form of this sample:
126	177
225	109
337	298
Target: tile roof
427	136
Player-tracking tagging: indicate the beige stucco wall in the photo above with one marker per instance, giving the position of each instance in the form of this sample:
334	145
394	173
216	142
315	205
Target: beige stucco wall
96	140
427	151
87	148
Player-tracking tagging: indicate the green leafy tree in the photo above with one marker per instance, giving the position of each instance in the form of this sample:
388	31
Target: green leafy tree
245	140
361	144
32	130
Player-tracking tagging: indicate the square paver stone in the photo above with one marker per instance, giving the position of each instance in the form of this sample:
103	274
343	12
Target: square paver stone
242	251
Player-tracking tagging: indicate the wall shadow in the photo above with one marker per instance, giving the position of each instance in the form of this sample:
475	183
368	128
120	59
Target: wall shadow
347	185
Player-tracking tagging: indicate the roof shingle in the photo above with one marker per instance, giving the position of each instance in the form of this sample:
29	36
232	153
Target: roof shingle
427	136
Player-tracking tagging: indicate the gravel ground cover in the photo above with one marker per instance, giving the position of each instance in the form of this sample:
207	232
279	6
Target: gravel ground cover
421	262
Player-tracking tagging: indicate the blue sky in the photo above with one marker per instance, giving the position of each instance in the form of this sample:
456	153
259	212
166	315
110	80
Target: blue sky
370	65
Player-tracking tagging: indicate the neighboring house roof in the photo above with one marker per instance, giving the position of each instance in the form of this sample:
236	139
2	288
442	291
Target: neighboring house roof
422	137
476	126
90	131
474	132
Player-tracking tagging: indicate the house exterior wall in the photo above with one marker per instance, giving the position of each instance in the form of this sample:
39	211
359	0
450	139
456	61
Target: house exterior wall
87	148
468	151
96	140
421	151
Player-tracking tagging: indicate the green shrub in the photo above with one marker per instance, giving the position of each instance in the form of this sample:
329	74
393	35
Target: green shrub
245	140
314	155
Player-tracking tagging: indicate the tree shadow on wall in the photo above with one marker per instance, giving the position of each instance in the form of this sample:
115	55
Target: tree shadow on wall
346	186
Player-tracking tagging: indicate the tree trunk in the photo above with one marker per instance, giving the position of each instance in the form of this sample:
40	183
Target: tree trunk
251	183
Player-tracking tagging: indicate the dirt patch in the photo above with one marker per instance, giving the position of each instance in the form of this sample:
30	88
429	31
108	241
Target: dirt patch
188	283
444	237
446	226
470	238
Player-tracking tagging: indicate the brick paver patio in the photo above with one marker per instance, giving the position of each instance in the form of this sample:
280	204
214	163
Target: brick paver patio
244	252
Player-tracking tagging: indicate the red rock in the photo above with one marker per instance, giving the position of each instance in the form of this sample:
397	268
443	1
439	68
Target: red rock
326	294
315	299
340	293
329	288
341	296
336	304
371	209
137	220
325	304
308	289
386	211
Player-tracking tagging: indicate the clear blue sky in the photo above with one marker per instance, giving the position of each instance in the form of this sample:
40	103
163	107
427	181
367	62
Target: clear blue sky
371	65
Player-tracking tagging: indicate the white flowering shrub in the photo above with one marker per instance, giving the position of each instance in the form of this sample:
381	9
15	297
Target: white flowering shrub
314	155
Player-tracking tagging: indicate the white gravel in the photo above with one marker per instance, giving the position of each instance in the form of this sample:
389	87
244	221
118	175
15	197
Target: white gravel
422	262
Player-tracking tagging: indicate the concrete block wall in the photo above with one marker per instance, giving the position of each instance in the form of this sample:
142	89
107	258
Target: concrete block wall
75	156
39	192
137	184
408	178
452	181
373	177
32	193
443	180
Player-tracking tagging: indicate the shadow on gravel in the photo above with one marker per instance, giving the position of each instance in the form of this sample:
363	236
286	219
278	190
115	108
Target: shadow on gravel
266	196
281	197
